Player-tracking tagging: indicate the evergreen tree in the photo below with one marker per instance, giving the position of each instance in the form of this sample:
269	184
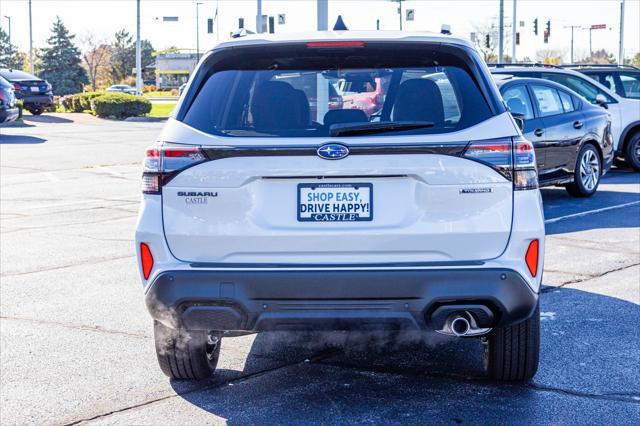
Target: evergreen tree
123	56
9	55
61	62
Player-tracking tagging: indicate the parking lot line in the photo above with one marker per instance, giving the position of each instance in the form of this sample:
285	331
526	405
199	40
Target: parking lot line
588	212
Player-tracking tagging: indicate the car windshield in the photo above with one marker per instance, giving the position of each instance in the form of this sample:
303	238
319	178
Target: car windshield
421	92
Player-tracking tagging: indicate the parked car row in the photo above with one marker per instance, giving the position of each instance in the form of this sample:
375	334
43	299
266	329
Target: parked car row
618	95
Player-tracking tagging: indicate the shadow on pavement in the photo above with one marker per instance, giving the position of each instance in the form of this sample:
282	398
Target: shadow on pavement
588	373
19	139
46	119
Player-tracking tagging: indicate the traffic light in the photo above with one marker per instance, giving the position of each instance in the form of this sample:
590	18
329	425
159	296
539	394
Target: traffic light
487	41
535	26
517	39
546	37
548	28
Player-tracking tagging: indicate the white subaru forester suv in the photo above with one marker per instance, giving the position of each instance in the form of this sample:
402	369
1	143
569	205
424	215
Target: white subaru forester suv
269	206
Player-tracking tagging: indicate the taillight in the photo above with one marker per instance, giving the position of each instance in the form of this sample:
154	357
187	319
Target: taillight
146	260
531	258
162	163
514	158
525	173
17	87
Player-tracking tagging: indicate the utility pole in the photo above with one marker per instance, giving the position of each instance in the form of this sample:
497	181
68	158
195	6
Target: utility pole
9	20
323	14
573	27
198	31
590	48
621	46
30	41
259	17
513	35
322	85
501	34
138	52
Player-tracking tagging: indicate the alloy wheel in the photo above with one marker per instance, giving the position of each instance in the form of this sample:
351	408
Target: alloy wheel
589	170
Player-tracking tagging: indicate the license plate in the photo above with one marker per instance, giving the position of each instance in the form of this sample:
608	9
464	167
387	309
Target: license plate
335	202
34	88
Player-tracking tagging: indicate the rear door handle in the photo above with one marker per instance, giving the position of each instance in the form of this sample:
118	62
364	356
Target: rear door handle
538	132
577	124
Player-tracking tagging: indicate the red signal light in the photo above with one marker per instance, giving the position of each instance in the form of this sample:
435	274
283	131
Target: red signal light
146	259
531	258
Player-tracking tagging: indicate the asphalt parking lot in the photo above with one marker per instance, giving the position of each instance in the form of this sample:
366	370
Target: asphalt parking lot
77	345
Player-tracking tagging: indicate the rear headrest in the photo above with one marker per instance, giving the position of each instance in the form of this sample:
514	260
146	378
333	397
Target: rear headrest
419	99
278	105
339	116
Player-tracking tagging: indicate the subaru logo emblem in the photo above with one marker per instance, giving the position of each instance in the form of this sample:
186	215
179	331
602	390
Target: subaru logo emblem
333	151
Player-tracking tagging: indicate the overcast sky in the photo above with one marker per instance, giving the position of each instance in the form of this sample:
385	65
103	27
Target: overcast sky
105	17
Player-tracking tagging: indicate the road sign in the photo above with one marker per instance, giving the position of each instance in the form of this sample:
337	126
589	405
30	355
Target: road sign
599	26
410	14
281	18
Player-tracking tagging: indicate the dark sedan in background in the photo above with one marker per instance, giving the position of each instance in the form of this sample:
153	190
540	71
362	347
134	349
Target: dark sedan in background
8	109
35	93
572	138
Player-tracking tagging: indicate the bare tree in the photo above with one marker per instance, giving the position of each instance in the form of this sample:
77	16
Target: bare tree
491	29
96	57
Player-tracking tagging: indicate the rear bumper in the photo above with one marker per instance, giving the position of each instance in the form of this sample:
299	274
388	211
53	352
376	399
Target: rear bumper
246	300
45	100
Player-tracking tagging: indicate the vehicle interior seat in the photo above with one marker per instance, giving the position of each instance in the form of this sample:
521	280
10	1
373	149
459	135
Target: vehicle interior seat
419	99
278	105
341	116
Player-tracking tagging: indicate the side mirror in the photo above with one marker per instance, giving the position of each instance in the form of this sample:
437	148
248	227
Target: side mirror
519	119
602	101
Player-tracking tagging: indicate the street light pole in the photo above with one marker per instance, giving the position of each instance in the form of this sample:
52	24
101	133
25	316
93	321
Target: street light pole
30	41
501	35
513	35
259	17
9	20
573	27
138	51
621	46
198	31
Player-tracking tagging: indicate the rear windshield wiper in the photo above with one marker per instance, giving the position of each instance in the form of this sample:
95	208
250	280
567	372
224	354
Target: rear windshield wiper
351	129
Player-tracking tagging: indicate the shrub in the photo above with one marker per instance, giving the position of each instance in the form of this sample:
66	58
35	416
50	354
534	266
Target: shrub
120	105
82	101
67	103
78	102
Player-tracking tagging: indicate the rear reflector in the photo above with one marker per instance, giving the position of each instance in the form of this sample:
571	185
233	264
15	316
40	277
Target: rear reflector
531	258
334	44
146	259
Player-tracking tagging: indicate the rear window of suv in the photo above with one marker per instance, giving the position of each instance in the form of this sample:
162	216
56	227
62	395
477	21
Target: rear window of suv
303	92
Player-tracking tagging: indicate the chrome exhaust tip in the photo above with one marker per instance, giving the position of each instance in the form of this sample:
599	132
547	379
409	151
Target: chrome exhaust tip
459	326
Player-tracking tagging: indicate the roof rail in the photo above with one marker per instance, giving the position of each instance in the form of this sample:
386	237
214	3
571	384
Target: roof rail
529	64
600	66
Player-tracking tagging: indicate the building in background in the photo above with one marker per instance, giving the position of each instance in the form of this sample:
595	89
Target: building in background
173	68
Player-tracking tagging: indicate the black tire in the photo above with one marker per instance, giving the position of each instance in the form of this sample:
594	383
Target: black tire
632	152
35	110
186	355
587	173
512	353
